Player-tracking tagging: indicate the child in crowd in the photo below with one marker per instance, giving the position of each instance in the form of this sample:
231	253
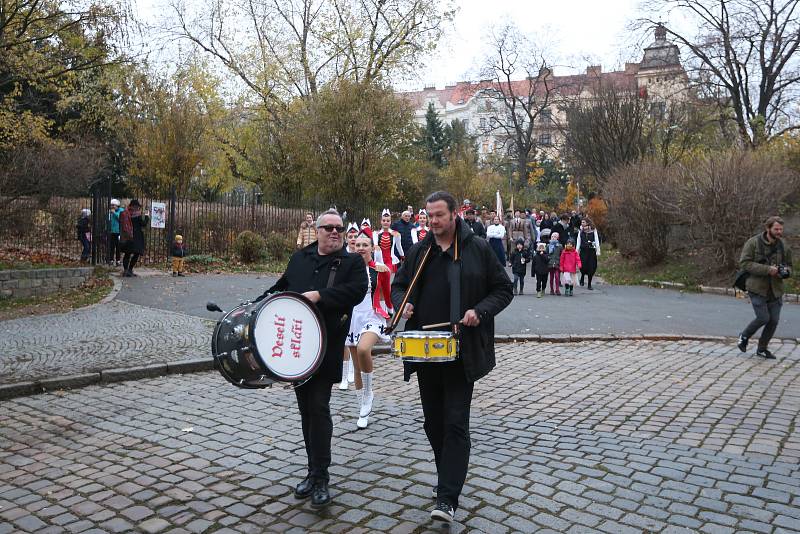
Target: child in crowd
554	249
84	229
178	254
569	263
520	257
540	267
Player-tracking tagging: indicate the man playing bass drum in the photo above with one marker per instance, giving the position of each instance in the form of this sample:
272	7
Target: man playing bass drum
335	281
459	282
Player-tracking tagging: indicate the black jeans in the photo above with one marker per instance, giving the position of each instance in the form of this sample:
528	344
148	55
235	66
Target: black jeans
314	402
87	248
768	313
129	260
541	282
519	279
113	247
446	397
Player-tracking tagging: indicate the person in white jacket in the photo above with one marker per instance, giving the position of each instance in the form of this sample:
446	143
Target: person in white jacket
495	233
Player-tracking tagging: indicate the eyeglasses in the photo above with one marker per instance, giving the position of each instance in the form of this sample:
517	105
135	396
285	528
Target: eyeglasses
331	227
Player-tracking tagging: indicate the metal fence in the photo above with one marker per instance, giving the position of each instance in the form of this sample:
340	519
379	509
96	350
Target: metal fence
207	227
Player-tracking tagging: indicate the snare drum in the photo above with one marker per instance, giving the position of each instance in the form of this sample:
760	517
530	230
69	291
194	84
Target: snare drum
425	346
280	338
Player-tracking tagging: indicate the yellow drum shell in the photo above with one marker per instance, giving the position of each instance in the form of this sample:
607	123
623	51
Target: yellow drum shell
425	346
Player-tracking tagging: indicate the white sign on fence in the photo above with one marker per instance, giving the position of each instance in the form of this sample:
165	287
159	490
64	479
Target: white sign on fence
158	216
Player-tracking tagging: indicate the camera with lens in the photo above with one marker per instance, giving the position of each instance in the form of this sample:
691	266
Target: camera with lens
784	271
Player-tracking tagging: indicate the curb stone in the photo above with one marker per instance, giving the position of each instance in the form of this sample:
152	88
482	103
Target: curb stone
22	389
791	298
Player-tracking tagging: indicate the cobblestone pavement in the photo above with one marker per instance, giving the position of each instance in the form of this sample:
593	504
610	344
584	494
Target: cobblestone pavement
615	437
105	336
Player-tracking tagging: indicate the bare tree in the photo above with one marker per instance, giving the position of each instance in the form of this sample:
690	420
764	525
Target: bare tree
286	48
747	52
522	91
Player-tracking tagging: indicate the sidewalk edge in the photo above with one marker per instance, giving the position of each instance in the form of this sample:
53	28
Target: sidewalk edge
107	376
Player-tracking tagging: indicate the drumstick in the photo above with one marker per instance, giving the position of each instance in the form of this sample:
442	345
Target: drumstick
435	325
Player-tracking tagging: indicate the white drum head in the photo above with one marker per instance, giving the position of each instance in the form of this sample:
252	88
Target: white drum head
288	336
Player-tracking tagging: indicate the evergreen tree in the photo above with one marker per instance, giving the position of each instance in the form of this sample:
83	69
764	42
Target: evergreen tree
433	138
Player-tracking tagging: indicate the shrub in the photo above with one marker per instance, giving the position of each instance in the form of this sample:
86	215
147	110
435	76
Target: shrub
279	246
249	246
597	211
724	197
637	196
202	259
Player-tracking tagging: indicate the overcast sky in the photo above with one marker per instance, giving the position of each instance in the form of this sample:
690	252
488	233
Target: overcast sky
576	33
573	29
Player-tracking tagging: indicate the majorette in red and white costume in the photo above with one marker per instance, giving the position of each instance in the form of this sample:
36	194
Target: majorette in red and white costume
386	241
419	232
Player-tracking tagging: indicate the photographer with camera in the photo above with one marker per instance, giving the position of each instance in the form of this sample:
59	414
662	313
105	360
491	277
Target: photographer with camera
767	262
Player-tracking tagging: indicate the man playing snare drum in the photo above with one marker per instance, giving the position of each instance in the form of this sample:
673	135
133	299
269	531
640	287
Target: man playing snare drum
461	284
309	272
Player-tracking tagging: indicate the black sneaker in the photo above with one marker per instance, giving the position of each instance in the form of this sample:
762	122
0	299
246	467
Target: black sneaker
742	344
443	512
764	353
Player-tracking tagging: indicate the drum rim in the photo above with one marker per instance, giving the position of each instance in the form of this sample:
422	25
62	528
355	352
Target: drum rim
423	334
218	364
320	321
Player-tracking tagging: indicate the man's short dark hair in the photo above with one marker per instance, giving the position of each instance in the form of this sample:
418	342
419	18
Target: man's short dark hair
442	195
564	216
771	221
470	212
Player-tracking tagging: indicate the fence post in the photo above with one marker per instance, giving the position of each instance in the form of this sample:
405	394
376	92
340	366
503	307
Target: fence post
171	221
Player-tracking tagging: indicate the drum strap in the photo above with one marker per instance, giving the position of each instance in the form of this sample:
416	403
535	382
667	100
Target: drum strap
334	267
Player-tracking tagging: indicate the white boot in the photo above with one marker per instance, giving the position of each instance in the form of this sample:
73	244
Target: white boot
360	398
351	371
369	396
343	383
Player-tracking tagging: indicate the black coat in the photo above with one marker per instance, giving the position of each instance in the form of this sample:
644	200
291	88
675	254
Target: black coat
564	234
485	287
517	267
308	271
179	251
136	245
477	228
539	264
404	228
83	227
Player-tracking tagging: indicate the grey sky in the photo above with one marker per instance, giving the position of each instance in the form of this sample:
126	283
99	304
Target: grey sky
575	32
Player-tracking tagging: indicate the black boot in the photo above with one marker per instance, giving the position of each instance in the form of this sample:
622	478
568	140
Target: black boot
321	496
305	488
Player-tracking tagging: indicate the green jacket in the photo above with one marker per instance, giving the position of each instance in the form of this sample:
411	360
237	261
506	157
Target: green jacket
753	262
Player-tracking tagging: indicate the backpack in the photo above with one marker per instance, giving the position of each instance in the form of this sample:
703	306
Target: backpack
741	276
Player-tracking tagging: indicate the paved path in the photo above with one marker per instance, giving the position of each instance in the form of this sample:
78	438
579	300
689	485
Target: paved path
105	336
608	309
619	437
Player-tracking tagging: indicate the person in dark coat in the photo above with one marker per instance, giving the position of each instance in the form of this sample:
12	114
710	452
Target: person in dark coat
461	283
403	226
589	250
132	224
540	265
564	230
474	224
84	230
520	258
309	273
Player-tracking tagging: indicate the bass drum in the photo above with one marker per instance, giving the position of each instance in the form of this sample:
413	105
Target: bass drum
279	338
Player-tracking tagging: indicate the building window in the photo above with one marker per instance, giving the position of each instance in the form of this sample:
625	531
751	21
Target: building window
483	122
485	147
544	139
545	115
658	110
